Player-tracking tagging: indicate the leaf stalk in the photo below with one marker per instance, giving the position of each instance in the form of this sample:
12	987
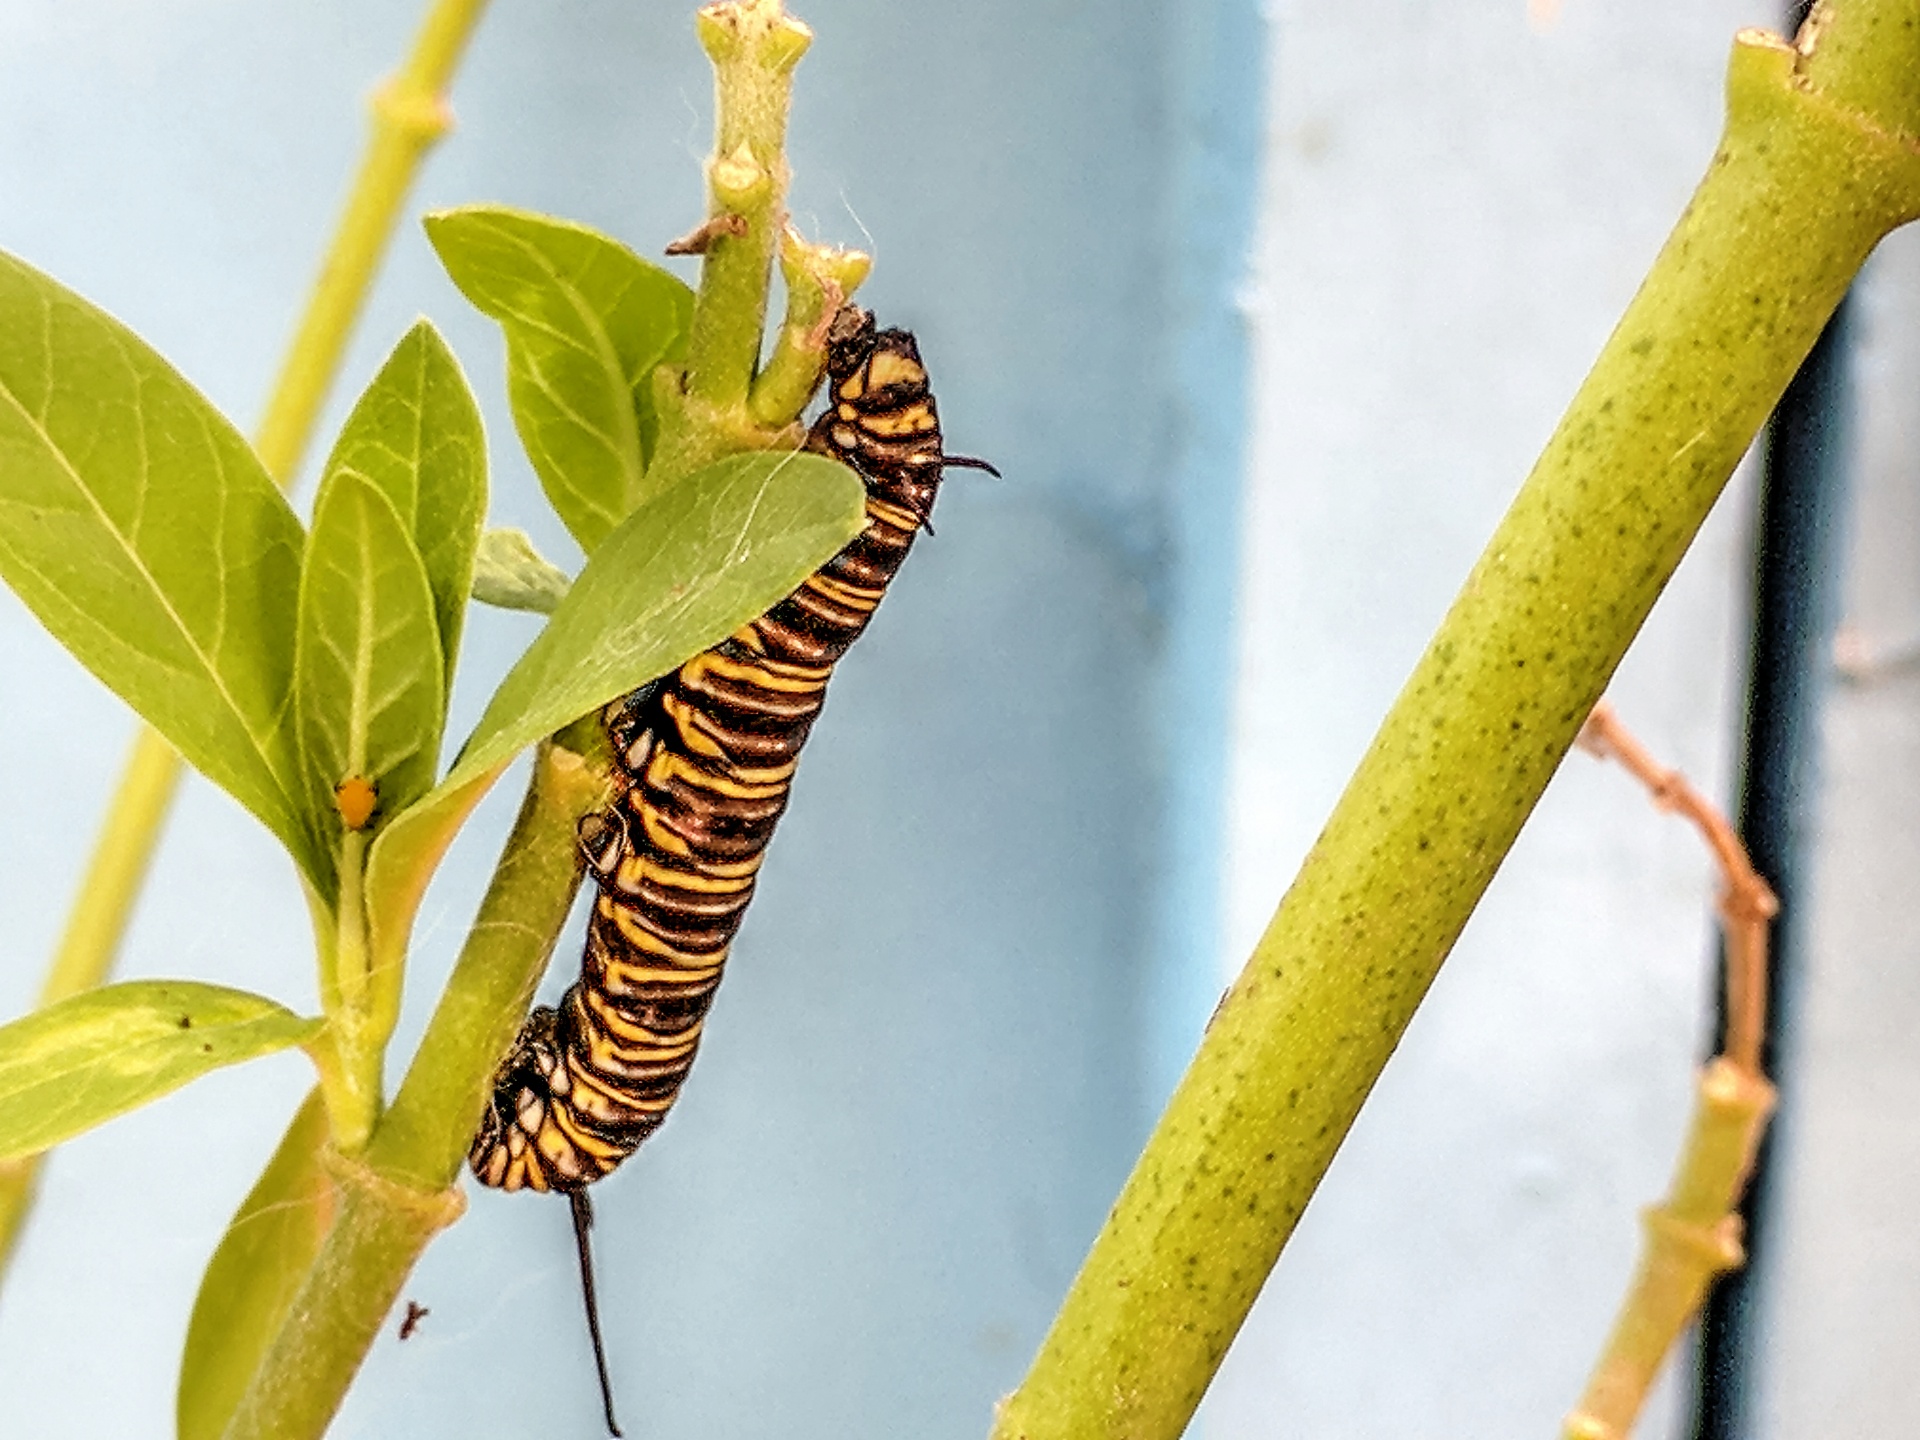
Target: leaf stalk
819	278
353	1090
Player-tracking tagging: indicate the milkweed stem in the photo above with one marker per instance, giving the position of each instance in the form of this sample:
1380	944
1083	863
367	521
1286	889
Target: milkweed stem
719	402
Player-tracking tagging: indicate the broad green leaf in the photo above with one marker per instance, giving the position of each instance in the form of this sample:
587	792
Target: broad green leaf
586	322
415	436
368	668
138	526
681	573
509	573
81	1062
253	1276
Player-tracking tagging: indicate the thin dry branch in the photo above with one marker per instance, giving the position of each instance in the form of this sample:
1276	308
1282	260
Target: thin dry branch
1694	1235
1747	903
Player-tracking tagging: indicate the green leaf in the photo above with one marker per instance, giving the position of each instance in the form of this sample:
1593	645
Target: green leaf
140	529
510	574
254	1274
79	1063
682	572
586	322
368	666
415	436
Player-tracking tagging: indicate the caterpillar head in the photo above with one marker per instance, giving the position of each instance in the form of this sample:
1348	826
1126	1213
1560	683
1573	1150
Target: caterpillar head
881	418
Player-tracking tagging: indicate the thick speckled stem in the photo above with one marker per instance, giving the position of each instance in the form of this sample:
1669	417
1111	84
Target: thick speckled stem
1801	189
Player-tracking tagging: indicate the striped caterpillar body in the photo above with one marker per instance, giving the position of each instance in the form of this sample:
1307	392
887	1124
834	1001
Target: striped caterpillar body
705	757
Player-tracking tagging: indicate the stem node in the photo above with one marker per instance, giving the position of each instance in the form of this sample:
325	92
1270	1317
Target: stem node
422	116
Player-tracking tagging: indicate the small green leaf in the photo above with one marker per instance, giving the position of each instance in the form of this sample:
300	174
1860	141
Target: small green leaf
254	1274
586	322
142	531
510	574
681	573
367	676
415	436
81	1062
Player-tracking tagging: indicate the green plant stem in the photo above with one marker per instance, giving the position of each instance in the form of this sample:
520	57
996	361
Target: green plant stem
1798	194
754	47
113	881
425	1133
1865	57
399	1194
378	1231
819	278
409	115
353	1089
1690	1238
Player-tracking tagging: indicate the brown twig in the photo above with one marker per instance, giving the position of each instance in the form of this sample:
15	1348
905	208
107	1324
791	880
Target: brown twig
1747	903
1694	1234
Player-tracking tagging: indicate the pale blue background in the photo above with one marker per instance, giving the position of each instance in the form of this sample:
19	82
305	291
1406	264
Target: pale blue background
930	1065
1010	887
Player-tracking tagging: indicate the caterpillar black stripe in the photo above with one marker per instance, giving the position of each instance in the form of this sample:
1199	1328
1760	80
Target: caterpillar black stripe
707	755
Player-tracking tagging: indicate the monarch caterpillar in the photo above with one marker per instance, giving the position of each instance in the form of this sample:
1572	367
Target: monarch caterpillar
705	758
